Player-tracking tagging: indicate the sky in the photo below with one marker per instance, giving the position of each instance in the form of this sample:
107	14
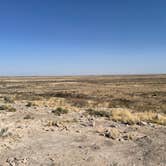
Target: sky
82	37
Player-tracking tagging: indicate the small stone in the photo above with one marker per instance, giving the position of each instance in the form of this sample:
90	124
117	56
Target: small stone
80	146
78	131
112	133
142	123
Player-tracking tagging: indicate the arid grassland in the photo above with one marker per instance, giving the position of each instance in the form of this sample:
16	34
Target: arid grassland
83	121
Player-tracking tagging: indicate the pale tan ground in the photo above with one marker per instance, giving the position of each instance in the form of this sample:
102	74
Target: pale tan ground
77	138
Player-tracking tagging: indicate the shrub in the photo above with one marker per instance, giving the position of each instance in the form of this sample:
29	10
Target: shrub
11	109
78	102
3	107
98	113
7	108
28	117
60	111
8	99
30	104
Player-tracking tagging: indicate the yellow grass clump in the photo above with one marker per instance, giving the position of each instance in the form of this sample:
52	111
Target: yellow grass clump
54	103
126	116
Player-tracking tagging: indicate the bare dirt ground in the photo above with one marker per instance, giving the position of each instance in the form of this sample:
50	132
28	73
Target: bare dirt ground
83	121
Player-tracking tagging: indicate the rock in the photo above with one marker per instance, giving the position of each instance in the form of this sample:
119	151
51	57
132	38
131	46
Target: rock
152	125
113	126
125	137
142	123
95	147
112	133
129	136
78	131
12	161
158	116
92	124
120	139
5	133
91	121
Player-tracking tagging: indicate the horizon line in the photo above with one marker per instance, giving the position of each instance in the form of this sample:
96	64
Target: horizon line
84	75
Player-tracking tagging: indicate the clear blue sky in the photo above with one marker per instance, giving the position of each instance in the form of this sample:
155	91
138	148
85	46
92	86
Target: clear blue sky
64	37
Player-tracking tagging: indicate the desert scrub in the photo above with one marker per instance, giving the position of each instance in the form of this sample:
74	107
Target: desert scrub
28	96
3	107
58	111
58	123
8	99
126	116
120	103
7	108
11	109
28	117
78	102
98	113
30	104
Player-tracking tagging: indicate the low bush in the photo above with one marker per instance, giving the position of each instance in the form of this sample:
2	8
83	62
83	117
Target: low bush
60	111
98	113
3	107
78	102
30	104
8	99
28	117
7	108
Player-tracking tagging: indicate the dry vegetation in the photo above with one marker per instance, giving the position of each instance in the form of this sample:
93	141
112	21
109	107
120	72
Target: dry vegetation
89	114
125	116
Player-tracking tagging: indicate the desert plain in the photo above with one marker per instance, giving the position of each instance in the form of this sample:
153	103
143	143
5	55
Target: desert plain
83	121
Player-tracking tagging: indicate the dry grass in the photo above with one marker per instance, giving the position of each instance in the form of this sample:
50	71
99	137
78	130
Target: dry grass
126	116
144	95
55	102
